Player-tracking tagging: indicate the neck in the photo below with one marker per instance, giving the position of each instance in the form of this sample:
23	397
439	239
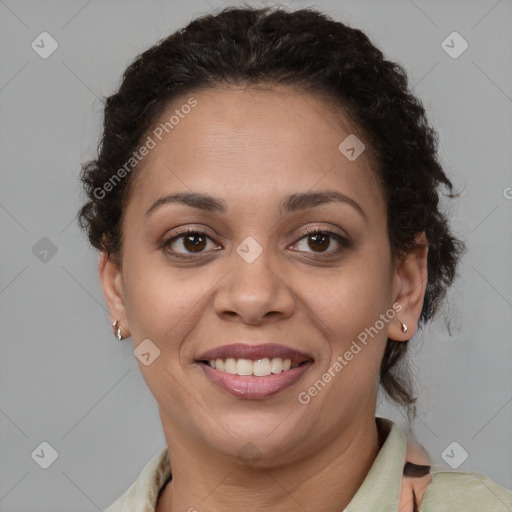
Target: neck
325	481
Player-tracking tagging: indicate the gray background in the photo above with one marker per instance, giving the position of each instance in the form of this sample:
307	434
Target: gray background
63	377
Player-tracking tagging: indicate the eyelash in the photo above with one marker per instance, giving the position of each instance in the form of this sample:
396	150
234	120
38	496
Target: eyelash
342	241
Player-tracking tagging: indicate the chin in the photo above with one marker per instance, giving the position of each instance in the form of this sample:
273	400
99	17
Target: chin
256	438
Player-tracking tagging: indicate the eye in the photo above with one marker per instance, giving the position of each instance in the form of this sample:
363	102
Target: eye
191	241
319	240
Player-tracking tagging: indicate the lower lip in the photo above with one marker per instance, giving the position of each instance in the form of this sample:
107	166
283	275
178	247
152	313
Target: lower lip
251	387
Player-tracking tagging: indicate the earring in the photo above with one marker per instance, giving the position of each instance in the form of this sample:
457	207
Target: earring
117	330
404	327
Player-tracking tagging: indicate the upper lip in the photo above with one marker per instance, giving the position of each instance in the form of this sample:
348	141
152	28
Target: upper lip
255	352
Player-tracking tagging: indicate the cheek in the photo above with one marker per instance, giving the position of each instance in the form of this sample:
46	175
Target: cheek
355	296
163	309
156	297
166	306
151	302
351	309
347	379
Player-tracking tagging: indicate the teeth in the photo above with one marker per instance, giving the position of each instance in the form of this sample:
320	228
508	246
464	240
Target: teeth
246	367
276	365
230	366
261	368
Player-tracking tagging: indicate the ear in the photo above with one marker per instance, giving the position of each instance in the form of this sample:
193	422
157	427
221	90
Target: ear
112	284
410	282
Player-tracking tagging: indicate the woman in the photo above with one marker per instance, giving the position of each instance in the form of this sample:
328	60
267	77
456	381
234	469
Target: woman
265	202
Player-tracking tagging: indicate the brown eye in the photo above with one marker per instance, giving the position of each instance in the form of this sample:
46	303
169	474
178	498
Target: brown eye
186	243
194	242
320	240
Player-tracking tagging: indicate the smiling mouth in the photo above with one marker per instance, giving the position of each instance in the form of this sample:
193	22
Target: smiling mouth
253	368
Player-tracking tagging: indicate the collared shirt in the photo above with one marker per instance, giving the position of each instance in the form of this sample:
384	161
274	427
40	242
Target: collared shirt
451	490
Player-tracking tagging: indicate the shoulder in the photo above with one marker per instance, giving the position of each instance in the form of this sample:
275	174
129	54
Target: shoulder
142	495
464	491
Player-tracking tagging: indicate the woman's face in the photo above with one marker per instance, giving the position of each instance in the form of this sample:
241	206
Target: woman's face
254	276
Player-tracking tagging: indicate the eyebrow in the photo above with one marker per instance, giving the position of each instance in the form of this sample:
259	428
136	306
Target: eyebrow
290	204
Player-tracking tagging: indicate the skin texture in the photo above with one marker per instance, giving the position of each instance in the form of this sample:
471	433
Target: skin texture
251	149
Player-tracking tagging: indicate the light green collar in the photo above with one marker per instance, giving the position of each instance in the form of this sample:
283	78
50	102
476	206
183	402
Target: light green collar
381	487
379	491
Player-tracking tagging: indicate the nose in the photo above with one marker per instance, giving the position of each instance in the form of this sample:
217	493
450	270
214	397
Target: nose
254	293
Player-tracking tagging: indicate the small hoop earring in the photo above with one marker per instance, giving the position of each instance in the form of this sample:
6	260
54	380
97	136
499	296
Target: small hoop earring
404	327
117	330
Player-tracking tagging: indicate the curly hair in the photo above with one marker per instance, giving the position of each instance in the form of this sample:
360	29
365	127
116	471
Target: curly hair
305	49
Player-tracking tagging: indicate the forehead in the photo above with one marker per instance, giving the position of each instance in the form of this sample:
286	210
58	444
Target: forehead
240	143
